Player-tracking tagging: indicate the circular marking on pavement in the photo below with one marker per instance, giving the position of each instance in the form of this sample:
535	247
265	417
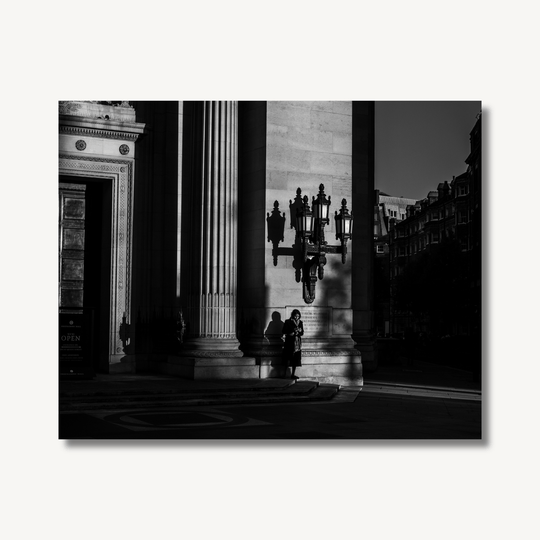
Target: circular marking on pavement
173	419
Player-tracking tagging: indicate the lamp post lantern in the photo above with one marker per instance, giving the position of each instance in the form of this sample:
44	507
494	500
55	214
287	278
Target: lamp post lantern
344	225
321	210
304	220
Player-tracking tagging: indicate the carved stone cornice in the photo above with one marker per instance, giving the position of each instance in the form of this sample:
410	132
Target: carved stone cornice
98	128
120	111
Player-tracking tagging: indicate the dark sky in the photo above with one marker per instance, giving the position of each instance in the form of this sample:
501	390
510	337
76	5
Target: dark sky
421	143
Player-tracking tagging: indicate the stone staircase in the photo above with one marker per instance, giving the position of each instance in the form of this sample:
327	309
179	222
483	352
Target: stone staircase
114	398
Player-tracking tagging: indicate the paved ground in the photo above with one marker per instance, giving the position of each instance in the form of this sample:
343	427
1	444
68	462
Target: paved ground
397	402
370	416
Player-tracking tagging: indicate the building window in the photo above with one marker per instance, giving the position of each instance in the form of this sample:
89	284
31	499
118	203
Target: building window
380	249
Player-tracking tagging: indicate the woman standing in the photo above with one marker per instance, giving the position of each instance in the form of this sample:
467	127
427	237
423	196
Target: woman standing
293	330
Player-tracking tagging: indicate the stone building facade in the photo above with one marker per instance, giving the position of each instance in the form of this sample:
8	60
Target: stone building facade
178	241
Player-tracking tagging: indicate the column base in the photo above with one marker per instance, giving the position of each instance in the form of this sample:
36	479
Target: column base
368	347
215	367
122	363
212	358
208	346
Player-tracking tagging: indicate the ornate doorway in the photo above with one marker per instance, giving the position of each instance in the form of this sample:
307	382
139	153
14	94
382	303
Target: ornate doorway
100	190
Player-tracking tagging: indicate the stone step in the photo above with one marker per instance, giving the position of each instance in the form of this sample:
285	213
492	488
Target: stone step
422	391
299	387
302	391
168	386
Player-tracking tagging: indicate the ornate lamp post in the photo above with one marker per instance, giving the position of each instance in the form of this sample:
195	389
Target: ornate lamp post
310	232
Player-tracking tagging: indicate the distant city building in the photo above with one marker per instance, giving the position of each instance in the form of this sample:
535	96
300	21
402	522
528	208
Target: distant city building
446	225
393	207
386	208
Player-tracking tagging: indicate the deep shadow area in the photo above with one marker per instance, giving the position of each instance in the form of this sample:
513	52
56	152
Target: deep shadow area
445	362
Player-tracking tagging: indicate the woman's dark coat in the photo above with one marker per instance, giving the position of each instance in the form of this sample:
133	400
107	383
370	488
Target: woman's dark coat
292	349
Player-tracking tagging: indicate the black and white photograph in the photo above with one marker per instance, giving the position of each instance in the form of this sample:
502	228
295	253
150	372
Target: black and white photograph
306	310
270	270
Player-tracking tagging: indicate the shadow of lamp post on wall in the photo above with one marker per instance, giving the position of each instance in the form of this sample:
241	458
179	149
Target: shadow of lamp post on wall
311	247
276	228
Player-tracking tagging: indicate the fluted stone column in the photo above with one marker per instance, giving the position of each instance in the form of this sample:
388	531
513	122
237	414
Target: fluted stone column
212	297
214	308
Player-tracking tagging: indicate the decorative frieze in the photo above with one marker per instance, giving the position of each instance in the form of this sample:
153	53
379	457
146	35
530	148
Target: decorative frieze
98	132
305	352
195	353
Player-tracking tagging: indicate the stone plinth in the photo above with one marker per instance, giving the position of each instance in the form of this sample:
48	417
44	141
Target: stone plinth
218	366
338	367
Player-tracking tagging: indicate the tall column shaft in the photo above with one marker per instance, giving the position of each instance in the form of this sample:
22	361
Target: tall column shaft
213	303
363	188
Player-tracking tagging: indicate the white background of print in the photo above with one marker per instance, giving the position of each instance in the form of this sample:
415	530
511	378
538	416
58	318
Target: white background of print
283	50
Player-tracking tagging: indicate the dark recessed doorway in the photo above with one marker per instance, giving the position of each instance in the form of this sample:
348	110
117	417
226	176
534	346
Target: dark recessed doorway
96	273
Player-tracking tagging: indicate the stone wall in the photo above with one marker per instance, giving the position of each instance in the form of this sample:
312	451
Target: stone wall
296	145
